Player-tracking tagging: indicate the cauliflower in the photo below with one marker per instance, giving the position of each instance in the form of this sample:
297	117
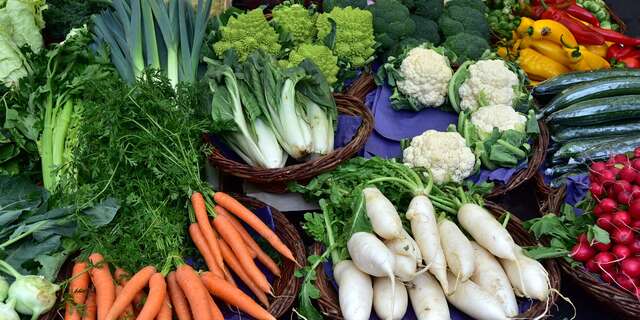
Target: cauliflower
445	154
489	82
246	33
500	116
354	34
425	76
297	20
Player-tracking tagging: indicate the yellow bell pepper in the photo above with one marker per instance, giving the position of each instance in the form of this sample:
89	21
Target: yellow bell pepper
534	82
590	61
523	27
553	31
551	50
600	50
539	66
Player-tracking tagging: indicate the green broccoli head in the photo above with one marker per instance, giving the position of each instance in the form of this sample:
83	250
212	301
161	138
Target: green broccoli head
475	4
354	34
297	20
430	9
391	22
456	19
246	33
426	30
321	56
466	46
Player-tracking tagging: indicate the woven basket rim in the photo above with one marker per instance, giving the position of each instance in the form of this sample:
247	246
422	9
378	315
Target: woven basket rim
616	299
330	307
306	170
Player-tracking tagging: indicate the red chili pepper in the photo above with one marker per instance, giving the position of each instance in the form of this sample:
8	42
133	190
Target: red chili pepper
555	3
583	14
618	51
583	33
617	37
631	62
535	12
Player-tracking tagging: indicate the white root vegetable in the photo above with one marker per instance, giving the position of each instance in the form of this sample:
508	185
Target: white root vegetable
370	255
384	218
406	246
475	302
486	231
427	299
355	291
405	268
490	276
425	231
389	303
527	276
457	250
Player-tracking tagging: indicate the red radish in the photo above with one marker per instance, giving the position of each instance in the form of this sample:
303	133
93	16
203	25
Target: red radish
636	163
621	219
628	174
605	260
624	197
635	246
636	152
631	267
582	252
605	222
621	251
635	192
621	186
607	176
592	266
637	181
607	277
601	246
626	282
597	211
598	167
634	210
635	225
622	236
582	238
621	158
596	189
608	205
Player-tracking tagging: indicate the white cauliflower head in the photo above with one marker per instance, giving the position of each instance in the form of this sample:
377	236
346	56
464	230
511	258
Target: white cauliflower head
490	82
426	74
500	116
445	154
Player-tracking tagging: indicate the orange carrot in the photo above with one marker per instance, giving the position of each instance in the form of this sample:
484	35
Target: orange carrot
165	310
200	242
233	296
78	290
90	307
233	263
215	311
263	257
138	302
103	282
195	292
233	239
129	291
128	313
178	300
156	298
200	210
240	211
122	277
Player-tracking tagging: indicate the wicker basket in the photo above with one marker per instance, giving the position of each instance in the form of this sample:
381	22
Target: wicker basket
362	86
330	307
285	288
625	304
275	180
535	161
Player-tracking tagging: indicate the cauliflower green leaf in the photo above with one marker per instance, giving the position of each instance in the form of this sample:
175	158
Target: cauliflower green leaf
246	33
354	39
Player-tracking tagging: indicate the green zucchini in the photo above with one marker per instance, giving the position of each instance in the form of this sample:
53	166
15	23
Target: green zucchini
547	89
609	129
577	147
591	90
597	111
603	152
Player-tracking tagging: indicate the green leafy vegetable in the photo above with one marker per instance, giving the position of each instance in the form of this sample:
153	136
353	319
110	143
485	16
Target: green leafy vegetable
25	18
63	15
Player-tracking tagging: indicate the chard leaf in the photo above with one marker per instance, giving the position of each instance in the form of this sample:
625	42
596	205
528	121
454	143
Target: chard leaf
102	213
28	250
51	264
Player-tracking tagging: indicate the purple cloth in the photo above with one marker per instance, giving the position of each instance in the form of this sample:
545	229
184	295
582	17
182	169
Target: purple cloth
577	188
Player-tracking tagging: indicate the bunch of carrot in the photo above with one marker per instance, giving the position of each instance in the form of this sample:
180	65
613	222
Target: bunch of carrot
94	294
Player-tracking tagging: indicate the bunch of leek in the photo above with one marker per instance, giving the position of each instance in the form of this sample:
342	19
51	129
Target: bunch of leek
260	109
129	30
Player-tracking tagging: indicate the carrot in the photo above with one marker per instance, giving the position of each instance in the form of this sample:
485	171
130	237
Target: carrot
138	302
240	211
233	239
233	263
122	277
201	243
264	258
78	290
200	210
128	313
165	310
103	282
178	300
129	291
215	311
195	292
156	298
233	296
90	307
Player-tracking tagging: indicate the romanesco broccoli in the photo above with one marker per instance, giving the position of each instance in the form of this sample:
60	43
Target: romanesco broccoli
354	34
321	56
297	20
246	33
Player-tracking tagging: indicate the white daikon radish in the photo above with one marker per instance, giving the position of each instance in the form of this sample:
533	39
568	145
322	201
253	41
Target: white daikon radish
384	218
490	276
527	276
475	302
427	298
457	250
405	268
486	230
425	231
370	255
389	303
406	246
355	291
